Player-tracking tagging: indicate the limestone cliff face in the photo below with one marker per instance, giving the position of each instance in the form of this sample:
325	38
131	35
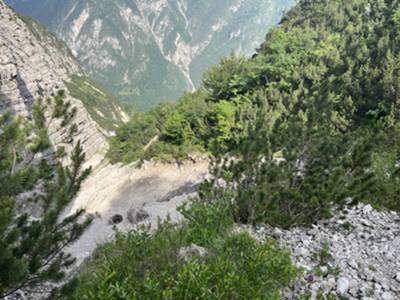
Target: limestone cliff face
34	63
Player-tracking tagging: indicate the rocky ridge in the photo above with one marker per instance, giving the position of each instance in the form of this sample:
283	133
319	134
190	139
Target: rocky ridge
353	255
34	63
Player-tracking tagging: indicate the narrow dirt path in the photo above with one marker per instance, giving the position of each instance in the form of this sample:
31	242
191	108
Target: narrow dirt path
151	142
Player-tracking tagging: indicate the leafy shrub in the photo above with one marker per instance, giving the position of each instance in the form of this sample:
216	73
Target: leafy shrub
167	132
327	103
206	221
144	265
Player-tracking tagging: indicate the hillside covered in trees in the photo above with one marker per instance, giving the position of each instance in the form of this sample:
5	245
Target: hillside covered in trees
309	123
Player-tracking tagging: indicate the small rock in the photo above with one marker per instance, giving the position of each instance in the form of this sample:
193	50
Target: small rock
397	277
313	295
385	285
367	209
352	263
368	274
366	288
353	292
387	296
377	287
301	252
324	269
329	285
187	253
277	233
366	223
395	288
343	285
287	293
353	283
136	216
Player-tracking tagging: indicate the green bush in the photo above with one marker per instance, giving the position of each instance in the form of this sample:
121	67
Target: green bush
144	265
325	101
167	132
206	222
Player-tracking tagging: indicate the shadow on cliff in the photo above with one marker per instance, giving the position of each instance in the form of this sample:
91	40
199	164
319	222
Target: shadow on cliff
25	94
6	103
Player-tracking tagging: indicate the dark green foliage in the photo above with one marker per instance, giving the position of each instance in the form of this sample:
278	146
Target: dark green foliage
167	132
32	249
324	255
201	121
311	120
41	140
207	221
327	128
141	265
133	137
228	79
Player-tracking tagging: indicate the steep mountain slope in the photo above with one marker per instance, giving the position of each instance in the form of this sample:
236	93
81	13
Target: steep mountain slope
35	63
150	51
313	124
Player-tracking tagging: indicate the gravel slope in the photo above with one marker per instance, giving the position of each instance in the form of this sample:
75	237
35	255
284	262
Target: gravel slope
156	189
360	260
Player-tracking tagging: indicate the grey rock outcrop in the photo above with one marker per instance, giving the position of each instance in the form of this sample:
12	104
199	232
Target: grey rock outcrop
34	63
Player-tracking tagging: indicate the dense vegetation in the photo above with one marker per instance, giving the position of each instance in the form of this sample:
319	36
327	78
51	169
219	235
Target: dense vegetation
311	120
213	119
32	247
144	265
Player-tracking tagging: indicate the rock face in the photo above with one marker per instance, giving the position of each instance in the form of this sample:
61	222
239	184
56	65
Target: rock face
354	255
34	63
151	51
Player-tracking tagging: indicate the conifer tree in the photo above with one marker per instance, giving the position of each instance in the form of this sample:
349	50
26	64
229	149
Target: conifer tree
32	249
